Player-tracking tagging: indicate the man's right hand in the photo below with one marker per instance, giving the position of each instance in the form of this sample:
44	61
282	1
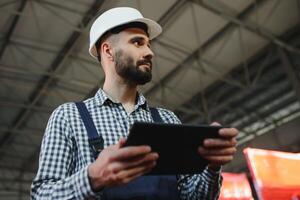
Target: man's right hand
116	165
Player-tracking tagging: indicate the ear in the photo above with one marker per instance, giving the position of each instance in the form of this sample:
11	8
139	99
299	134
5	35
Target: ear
106	50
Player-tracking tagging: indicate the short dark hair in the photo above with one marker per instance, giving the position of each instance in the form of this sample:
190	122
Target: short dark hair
118	29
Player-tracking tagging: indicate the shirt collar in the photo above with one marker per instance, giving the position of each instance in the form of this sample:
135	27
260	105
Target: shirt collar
101	97
141	101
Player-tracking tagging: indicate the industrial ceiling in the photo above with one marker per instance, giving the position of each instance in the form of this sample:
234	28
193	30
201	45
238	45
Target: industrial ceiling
232	61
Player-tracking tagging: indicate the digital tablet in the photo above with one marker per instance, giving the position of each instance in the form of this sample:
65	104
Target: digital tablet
176	144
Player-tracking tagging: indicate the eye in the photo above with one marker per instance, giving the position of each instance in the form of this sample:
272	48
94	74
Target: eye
137	43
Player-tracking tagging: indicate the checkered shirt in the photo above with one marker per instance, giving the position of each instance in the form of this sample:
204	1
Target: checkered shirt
65	151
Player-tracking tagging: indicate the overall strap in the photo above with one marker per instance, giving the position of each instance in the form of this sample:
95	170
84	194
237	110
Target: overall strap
155	115
144	187
96	141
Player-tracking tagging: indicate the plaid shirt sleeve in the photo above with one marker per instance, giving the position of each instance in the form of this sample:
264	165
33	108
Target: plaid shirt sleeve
198	186
54	179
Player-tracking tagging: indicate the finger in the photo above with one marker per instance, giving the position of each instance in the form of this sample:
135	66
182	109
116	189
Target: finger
141	170
137	175
228	132
219	143
111	148
217	151
141	159
218	160
125	176
129	152
135	162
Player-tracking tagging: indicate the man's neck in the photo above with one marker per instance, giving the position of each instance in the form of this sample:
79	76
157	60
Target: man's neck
122	93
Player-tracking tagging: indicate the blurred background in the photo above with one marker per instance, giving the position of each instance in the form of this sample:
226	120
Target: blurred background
232	61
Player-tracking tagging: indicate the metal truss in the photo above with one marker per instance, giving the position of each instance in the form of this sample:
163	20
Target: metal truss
61	7
7	104
12	28
290	71
195	55
235	20
44	47
269	100
36	96
13	182
24	72
252	27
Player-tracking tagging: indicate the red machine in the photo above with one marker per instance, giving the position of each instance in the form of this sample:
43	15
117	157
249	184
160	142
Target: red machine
276	175
235	187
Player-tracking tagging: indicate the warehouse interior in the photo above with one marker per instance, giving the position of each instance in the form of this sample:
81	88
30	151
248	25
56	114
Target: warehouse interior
236	62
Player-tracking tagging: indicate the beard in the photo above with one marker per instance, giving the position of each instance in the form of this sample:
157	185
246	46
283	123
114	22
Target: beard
130	71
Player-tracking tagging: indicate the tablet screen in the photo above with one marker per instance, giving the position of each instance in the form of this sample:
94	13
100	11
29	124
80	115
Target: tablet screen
176	144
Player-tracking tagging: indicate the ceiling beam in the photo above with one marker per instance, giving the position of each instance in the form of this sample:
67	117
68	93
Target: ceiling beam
35	45
20	180
262	64
61	6
11	29
253	28
16	169
36	131
290	70
46	109
23	71
239	98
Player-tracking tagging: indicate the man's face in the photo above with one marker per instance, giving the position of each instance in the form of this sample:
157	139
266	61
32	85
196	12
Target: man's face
133	56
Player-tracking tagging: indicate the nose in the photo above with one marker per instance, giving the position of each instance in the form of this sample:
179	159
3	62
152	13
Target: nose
148	54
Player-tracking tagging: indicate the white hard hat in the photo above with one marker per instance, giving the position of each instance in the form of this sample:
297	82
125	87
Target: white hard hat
116	17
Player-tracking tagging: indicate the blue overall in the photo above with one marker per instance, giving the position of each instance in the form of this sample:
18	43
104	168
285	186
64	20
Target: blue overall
144	187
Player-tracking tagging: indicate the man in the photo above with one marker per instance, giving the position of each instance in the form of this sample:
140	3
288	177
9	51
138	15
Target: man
119	38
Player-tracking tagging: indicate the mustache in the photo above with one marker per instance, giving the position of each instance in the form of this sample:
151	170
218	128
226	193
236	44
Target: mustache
144	62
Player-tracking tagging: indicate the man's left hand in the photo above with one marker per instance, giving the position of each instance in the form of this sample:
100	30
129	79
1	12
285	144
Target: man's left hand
219	151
